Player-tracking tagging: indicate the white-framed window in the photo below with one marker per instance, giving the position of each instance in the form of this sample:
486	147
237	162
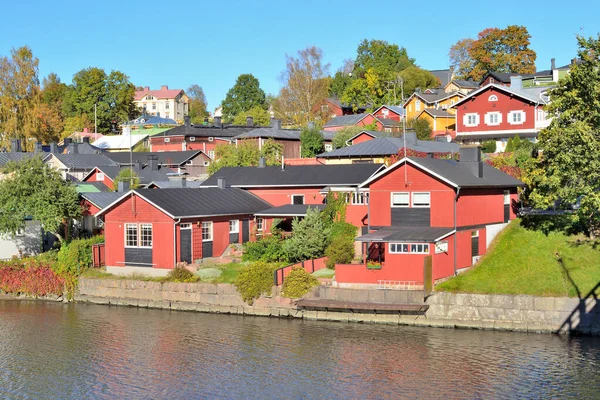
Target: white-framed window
471	119
259	224
506	197
207	231
493	118
20	232
189	162
167	105
297	199
167	140
328	147
420	199
418	105
100	176
400	199
185	226
413	248
387	129
210	138
138	235
360	198
385	112
492	80
324	108
206	163
516	117
131	235
474	234
145	235
192	138
211	154
154	106
234	226
493	97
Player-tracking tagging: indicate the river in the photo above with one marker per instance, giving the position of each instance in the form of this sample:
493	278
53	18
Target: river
76	351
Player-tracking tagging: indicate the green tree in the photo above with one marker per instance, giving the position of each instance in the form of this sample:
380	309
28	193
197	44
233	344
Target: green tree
113	95
19	96
341	80
260	116
568	170
33	189
309	237
343	135
126	175
311	142
197	106
489	146
50	111
422	128
243	96
414	77
76	124
245	154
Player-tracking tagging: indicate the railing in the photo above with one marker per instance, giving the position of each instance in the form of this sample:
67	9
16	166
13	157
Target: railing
98	259
400	285
309	266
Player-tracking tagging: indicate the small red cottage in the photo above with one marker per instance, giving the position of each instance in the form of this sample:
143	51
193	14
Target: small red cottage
337	123
151	230
425	210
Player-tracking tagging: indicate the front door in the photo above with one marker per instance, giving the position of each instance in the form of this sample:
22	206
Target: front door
185	243
245	230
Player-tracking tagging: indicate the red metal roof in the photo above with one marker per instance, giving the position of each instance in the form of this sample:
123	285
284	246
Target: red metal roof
159	94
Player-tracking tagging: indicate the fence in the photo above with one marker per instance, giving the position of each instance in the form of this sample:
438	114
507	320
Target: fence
309	266
98	255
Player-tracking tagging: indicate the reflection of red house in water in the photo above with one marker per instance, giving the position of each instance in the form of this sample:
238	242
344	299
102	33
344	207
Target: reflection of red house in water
443	209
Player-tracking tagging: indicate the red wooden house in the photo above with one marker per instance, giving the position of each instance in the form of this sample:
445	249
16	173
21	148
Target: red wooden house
394	113
337	123
151	230
423	208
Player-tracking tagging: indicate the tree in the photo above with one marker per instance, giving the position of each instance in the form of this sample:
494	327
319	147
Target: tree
412	78
112	94
309	237
19	96
126	175
243	96
260	116
494	50
311	142
76	124
33	189
245	154
422	128
197	110
50	110
568	171
489	146
341	80
305	86
343	135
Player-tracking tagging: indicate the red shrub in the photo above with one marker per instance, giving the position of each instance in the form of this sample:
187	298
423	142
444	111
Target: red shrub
34	279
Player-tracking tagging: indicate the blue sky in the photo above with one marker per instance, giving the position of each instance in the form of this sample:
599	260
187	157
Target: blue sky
211	43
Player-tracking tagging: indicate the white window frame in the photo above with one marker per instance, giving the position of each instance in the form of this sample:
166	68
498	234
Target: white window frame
144	238
189	162
385	112
297	195
409	248
467	119
328	147
167	140
418	105
192	138
513	113
507	197
210	138
259	224
400	205
412	199
20	232
211	154
100	176
387	129
236	226
488	118
360	198
493	97
206	163
137	233
210	231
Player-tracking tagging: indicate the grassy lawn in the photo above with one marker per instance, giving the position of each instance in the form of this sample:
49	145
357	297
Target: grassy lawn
522	261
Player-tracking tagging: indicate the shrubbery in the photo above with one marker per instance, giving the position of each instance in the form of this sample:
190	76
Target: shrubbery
76	256
255	280
267	249
489	146
181	274
298	283
341	246
34	278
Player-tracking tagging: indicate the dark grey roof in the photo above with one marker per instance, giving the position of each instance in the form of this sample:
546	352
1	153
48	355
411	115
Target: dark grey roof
16	157
406	234
345	120
504	77
80	148
397	109
386	146
431	98
226	131
438	113
443	75
84	161
188	202
466	84
536	94
300	175
167	184
145	174
337	102
388	122
102	199
290	210
164	157
271	132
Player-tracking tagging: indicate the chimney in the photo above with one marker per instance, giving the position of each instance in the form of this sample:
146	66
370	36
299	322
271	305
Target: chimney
552	64
411	138
123	186
72	148
470	157
67	142
38	147
53	148
276	124
177	181
85	139
146	88
217	122
221	184
262	162
153	163
85	130
15	146
164	87
516	82
186	120
249	121
311	125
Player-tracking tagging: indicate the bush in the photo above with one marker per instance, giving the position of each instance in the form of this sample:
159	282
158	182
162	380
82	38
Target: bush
267	249
298	283
342	229
489	146
309	237
180	274
34	279
76	256
254	280
340	251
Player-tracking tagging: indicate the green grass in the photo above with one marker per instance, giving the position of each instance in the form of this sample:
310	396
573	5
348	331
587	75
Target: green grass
522	261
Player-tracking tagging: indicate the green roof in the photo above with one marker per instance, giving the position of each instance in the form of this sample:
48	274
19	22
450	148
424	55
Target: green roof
87	188
150	131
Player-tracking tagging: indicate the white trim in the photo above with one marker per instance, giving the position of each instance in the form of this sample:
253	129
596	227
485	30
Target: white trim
358	134
466	118
210	138
501	88
210	230
488	115
399	163
192	138
410	244
262	224
399	206
511	115
493	97
412	200
445	235
506	195
167	140
237	226
297	195
186	225
499	133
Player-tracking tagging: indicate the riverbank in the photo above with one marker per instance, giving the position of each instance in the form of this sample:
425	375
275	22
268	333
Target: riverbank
448	310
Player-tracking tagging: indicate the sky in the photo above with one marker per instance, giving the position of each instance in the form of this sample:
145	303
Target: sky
211	43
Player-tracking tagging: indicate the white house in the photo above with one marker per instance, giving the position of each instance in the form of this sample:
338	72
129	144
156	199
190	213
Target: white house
165	102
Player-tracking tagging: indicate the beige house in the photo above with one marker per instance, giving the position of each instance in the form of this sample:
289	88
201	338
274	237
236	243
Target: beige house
165	102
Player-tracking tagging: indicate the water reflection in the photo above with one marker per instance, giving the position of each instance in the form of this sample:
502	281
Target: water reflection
50	350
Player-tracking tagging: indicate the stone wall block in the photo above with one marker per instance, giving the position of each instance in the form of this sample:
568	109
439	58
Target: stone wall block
462	312
543	303
505	302
567	304
523	302
376	296
226	288
208	298
230	300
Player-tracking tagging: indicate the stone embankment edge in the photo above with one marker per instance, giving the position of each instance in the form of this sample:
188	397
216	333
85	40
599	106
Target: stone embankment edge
446	310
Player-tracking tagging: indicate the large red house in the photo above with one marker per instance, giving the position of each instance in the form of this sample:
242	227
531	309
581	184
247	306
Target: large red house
425	208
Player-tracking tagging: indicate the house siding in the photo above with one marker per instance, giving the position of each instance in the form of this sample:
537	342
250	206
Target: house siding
363	137
93	177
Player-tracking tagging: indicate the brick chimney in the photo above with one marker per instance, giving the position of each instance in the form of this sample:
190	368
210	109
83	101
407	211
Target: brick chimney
276	124
217	122
164	87
147	88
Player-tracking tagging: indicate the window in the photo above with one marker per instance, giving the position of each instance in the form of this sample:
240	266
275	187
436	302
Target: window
506	197
400	199
210	138
211	154
100	176
474	234
516	117
145	235
360	198
328	147
207	231
167	114
385	112
192	138
234	226
154	106
493	98
206	163
297	199
414	248
167	105
471	119
167	140
493	118
324	108
259	224
20	232
418	105
492	80
387	129
420	199
131	235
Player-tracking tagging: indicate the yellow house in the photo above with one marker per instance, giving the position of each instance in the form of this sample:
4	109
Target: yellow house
461	86
439	120
418	102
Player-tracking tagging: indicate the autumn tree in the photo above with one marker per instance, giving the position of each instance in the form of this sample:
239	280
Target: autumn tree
305	86
568	170
19	96
197	105
494	50
243	96
50	111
